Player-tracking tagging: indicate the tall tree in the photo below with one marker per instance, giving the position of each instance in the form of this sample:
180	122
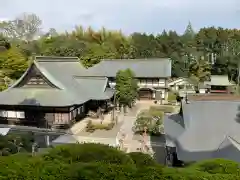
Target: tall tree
199	71
126	87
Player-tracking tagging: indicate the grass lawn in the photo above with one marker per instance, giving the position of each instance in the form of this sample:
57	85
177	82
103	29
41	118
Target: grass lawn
165	108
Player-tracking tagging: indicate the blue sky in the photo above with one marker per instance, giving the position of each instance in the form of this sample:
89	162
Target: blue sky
151	16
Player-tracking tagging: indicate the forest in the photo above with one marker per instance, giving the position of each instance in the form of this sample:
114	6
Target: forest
197	54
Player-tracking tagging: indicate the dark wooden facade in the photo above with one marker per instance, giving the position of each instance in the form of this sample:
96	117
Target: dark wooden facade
145	94
42	117
48	117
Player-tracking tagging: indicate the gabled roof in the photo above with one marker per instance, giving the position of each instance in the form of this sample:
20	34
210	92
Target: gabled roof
149	68
206	126
65	74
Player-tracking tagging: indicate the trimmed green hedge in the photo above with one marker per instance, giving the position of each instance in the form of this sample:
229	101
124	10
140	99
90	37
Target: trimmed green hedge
84	162
214	166
88	152
141	159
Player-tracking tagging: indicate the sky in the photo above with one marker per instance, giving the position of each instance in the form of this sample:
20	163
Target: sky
150	16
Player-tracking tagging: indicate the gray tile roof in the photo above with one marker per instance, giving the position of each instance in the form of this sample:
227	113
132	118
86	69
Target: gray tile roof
207	124
39	97
66	74
141	67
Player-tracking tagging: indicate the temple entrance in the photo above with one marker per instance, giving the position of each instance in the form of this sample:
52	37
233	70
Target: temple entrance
145	94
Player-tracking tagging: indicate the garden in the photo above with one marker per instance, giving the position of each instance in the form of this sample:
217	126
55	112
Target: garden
151	119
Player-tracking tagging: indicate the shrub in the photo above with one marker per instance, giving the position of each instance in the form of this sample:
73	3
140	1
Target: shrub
98	170
88	152
141	159
215	166
152	119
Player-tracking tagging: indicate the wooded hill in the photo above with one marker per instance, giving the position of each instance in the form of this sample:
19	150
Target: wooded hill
210	50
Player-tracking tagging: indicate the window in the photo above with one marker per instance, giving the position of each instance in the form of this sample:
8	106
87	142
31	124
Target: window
61	117
58	117
13	114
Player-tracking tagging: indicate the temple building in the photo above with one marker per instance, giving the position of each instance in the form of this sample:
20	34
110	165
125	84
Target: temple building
152	74
54	92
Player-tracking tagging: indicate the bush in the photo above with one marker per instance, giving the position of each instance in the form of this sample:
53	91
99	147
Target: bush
141	159
152	119
215	166
31	168
24	167
98	170
88	152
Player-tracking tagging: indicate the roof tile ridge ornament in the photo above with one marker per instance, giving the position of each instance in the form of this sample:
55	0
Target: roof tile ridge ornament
56	59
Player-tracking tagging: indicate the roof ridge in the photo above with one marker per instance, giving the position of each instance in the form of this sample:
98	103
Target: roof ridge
56	59
139	59
89	77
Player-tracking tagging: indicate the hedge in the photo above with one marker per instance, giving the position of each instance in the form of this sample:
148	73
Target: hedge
94	161
214	166
88	152
141	159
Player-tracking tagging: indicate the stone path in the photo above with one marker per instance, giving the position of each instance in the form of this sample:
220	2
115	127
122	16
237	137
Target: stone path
128	120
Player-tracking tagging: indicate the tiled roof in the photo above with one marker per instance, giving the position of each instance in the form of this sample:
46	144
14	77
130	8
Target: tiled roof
148	68
210	129
63	73
213	97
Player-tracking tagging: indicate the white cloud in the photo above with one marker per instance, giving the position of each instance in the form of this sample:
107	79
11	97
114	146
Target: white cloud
129	15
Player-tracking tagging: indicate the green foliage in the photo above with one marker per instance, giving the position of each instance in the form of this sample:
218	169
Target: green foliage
141	159
12	63
85	162
199	71
92	171
218	46
88	153
14	142
28	168
126	87
4	44
151	119
214	166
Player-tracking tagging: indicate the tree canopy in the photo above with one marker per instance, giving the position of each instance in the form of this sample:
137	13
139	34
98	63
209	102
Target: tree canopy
219	47
126	87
